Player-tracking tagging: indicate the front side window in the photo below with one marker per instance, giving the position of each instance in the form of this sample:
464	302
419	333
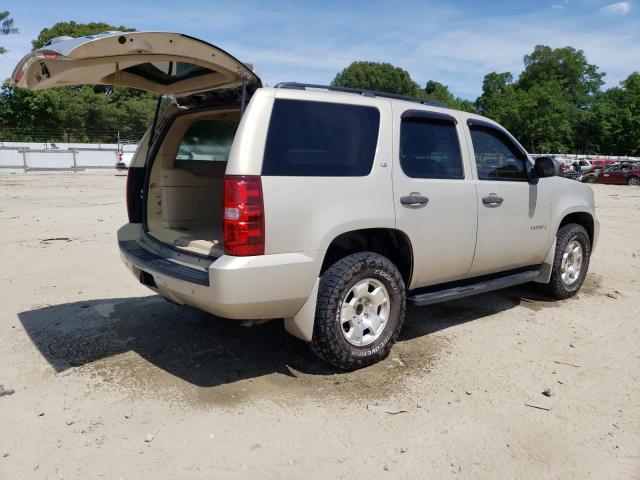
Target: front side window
429	148
497	157
320	139
208	140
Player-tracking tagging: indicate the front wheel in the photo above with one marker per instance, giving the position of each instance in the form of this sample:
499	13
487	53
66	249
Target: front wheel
591	179
635	181
360	311
571	261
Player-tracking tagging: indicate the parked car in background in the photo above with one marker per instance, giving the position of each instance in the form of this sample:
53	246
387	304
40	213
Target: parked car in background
592	176
571	174
615	174
124	160
601	162
569	170
582	166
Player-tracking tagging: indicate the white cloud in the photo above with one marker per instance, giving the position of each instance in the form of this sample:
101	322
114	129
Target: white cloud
458	56
620	8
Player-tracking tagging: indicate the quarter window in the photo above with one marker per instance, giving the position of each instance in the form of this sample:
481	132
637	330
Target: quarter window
429	148
497	157
320	139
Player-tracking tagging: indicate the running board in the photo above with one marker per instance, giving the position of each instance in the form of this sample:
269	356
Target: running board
481	286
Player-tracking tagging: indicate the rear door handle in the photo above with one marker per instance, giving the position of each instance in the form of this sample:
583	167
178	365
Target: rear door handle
414	201
492	201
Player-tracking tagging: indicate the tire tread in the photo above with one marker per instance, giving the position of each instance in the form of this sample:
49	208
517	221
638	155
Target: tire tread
332	285
556	288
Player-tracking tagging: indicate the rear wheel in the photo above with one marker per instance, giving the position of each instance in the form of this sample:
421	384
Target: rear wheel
591	179
634	181
360	311
571	261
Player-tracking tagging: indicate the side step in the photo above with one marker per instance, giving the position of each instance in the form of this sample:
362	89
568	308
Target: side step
481	285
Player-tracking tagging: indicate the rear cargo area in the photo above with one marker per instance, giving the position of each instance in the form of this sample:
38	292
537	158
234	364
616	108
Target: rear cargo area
184	207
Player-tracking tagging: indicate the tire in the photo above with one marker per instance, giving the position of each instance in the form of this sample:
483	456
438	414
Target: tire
635	181
560	287
340	289
591	179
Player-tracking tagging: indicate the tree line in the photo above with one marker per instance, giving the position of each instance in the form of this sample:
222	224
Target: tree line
557	103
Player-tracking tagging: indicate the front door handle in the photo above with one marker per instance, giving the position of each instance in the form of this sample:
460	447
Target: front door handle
492	201
414	201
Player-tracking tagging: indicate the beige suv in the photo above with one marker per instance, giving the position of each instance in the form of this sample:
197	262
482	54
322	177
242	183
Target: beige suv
328	207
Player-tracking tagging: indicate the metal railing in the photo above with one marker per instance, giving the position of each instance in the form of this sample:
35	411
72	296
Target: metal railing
77	159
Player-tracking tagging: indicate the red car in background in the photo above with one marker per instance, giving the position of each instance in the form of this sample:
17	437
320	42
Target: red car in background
600	162
625	174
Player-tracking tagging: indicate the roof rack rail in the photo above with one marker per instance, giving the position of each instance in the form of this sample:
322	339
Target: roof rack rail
360	91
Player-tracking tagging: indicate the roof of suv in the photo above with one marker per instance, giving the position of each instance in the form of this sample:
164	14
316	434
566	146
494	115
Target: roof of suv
364	94
360	91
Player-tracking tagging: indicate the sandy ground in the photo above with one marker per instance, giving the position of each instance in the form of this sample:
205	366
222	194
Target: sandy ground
112	381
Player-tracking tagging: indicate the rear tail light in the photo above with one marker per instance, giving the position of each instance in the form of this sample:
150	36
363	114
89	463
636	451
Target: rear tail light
18	74
49	55
243	215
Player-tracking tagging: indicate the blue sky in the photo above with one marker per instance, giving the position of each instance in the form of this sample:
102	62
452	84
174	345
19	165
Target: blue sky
455	43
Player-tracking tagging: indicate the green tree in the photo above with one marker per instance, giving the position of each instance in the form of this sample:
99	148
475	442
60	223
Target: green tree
551	107
502	102
382	77
566	66
6	27
616	115
21	110
545	120
73	29
496	89
439	92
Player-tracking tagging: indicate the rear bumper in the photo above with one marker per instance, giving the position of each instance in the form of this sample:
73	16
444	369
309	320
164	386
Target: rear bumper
260	287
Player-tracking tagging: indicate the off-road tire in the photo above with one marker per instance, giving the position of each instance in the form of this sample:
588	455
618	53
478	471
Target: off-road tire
328	341
556	288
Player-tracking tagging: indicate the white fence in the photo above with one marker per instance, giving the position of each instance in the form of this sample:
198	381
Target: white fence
37	157
96	157
579	156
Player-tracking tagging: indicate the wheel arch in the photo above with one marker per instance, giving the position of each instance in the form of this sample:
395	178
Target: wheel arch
585	219
389	242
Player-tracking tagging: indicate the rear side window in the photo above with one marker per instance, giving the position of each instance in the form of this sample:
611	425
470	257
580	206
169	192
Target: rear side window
429	148
320	139
497	157
208	140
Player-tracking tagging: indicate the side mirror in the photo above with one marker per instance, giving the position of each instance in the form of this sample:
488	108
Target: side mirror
546	167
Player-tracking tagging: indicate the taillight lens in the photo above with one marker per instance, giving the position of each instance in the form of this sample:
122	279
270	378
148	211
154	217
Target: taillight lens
243	215
49	55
